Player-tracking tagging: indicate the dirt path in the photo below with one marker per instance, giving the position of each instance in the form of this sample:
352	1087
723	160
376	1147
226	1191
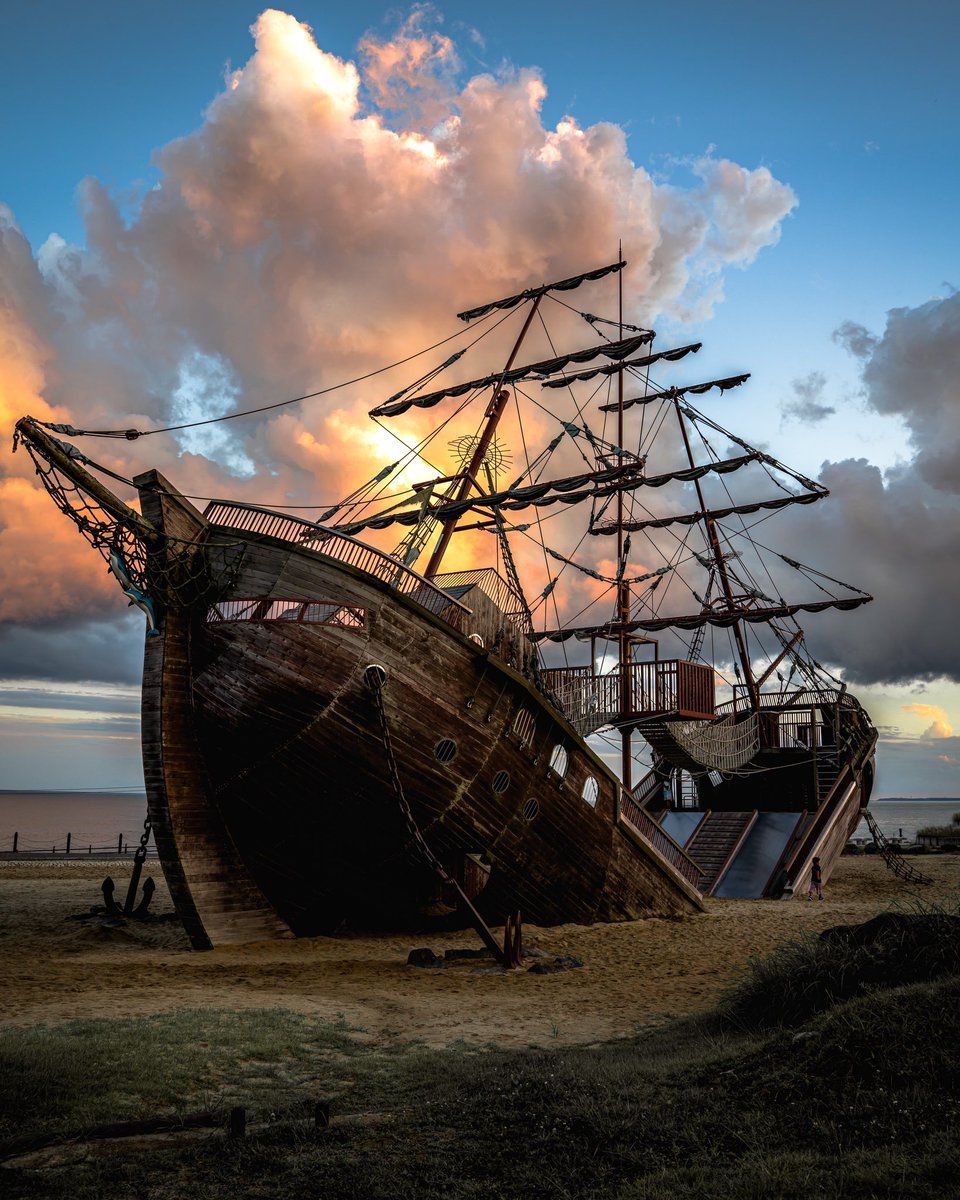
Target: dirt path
634	974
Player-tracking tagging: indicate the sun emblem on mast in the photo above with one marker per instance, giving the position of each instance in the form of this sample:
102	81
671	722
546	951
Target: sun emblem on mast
496	457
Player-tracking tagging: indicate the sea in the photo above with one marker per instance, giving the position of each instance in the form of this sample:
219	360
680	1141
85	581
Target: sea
94	819
99	819
902	818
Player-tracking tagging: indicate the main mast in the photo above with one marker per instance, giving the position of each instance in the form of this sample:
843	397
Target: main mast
716	549
468	477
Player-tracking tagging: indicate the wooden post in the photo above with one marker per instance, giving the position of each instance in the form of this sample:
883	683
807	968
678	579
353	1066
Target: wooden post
69	836
120	844
16	838
238	1123
624	651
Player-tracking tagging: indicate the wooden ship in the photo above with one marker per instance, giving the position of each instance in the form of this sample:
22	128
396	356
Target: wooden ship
334	738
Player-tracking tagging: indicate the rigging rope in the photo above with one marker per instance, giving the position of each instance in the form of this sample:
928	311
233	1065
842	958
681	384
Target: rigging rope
132	434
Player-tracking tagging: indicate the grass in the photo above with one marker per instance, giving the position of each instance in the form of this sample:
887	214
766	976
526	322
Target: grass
853	1095
951	830
806	976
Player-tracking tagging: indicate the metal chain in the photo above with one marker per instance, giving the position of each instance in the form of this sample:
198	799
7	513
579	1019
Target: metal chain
141	851
374	677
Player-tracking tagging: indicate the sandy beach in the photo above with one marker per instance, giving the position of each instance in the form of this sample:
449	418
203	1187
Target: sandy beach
634	974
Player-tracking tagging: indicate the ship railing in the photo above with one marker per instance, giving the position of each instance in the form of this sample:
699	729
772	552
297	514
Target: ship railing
343	548
658	837
788	699
666	686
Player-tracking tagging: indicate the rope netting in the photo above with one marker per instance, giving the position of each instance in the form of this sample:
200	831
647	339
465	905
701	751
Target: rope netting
172	571
719	745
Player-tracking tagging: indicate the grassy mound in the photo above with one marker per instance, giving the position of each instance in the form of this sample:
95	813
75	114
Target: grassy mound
809	975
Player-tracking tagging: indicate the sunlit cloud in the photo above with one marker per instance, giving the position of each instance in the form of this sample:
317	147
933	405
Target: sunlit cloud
939	726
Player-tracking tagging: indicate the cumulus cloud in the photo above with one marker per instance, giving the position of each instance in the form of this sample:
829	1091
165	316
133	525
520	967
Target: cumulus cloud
326	217
807	405
939	726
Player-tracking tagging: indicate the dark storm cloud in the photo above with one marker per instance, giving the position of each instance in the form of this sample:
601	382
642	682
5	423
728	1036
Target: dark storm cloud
899	536
108	651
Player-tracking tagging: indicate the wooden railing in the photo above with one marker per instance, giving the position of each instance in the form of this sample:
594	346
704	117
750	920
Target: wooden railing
666	686
658	837
343	548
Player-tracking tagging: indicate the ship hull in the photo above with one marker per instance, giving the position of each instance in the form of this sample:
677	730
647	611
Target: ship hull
268	780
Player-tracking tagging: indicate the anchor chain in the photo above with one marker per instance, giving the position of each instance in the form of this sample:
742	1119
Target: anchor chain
375	677
139	857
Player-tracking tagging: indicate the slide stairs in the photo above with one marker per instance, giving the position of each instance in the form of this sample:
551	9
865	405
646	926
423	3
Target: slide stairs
716	842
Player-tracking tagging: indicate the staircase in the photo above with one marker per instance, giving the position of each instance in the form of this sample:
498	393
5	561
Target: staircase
828	771
712	847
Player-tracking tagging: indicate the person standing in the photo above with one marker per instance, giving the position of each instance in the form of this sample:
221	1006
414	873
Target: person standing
816	879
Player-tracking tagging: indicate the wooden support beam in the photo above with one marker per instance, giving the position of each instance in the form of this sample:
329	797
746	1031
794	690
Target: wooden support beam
779	659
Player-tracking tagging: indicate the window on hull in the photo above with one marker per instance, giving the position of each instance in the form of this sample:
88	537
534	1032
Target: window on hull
558	761
523	725
591	790
303	612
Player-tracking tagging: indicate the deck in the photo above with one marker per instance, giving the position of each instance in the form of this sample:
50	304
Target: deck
667	687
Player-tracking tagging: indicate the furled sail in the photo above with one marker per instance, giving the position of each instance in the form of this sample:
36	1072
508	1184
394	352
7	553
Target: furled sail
562	285
555	491
616	350
713	514
695	389
633	364
719	619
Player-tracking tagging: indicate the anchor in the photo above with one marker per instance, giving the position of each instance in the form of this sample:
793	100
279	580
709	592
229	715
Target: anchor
138	912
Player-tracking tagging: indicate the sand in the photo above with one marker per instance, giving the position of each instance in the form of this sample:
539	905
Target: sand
634	974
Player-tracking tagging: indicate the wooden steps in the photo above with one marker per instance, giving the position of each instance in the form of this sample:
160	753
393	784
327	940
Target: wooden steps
718	838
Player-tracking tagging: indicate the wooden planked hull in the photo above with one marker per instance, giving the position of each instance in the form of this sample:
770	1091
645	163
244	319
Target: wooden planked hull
279	771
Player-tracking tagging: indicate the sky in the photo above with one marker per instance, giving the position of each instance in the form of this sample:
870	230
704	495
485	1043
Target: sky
181	196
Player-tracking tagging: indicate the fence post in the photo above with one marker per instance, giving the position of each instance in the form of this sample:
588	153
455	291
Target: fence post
16	838
69	838
120	844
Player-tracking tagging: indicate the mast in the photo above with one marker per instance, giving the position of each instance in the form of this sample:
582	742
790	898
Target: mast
623	589
714	542
468	476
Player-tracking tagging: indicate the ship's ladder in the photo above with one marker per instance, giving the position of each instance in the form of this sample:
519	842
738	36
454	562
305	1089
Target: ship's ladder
892	857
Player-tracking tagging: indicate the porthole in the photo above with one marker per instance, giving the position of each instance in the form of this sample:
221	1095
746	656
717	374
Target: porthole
591	790
501	781
530	809
523	725
445	750
558	761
